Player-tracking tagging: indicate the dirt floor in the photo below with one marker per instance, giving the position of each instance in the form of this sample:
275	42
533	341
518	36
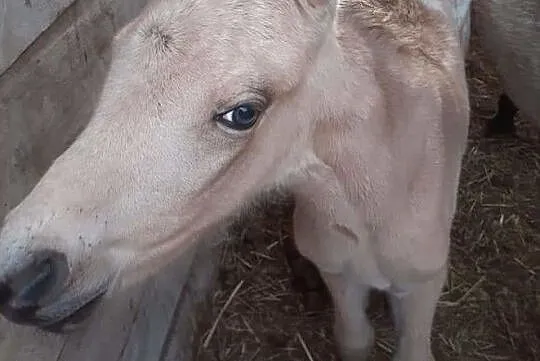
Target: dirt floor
490	309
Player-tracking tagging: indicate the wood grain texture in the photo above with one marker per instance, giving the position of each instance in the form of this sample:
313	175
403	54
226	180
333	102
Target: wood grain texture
19	343
150	330
202	279
21	22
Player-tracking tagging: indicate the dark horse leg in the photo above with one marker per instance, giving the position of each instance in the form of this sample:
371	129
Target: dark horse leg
306	279
503	122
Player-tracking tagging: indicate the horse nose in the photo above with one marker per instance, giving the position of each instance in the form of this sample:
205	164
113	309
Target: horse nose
24	292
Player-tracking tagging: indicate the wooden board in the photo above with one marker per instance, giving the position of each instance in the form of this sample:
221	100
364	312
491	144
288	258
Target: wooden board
22	23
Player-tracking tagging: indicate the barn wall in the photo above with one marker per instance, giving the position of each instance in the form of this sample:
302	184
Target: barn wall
21	22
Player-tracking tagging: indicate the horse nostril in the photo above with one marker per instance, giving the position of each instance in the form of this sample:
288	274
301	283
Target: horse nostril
37	282
5	293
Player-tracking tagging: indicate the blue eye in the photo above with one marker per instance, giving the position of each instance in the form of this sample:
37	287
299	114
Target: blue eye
243	117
